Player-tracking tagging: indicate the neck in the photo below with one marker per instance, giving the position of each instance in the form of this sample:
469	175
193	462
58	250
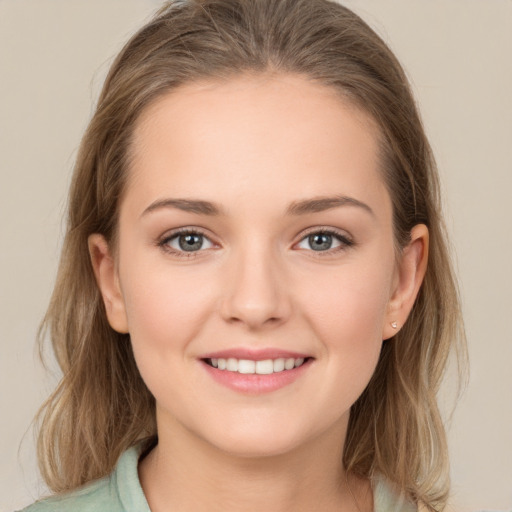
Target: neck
184	473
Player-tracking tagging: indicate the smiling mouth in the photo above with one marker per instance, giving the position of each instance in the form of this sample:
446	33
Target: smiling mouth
260	367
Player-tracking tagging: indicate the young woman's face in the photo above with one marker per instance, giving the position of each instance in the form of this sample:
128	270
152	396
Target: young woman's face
255	233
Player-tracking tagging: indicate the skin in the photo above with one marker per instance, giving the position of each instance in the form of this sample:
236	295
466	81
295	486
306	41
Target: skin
254	145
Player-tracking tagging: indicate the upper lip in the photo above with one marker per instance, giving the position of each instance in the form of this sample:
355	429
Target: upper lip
254	354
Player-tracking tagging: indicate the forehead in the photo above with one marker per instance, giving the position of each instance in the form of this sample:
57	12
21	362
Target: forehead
274	135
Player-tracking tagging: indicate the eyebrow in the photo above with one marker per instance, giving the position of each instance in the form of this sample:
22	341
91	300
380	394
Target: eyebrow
320	204
186	205
314	205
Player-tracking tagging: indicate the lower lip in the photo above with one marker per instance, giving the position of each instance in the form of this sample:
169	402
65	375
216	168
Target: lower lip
255	383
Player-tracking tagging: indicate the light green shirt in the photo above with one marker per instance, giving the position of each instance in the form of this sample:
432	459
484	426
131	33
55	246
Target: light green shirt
122	492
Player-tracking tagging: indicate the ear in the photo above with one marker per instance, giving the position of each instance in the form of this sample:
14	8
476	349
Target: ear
105	271
409	275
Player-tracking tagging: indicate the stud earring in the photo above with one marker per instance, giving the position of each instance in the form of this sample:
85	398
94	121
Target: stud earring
394	325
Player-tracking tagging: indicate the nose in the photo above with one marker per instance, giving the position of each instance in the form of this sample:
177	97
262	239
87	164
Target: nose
255	293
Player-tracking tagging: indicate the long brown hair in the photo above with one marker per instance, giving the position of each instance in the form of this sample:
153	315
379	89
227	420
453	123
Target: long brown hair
101	406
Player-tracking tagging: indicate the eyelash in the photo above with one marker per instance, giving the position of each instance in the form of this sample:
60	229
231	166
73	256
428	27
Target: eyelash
345	242
181	232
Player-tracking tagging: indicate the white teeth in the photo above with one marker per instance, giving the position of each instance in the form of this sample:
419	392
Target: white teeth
298	361
232	364
278	365
263	367
246	366
289	363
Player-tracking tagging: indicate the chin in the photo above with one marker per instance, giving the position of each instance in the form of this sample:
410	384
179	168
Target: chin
262	439
265	446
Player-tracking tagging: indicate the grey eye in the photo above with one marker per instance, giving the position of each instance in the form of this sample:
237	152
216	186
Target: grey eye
320	241
189	242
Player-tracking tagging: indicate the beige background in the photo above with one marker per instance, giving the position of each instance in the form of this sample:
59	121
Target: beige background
458	53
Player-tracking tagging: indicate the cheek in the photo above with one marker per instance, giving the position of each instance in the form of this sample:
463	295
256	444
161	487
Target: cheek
350	299
165	309
347	309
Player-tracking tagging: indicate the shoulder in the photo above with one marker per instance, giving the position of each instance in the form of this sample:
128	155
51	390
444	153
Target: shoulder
118	492
86	499
386	499
98	495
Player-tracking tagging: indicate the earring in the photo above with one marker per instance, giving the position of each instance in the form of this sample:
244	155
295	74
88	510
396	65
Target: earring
394	325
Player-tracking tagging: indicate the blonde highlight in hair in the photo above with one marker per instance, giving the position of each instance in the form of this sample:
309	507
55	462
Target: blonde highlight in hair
102	406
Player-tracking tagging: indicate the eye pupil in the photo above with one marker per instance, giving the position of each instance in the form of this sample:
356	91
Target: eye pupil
190	242
320	241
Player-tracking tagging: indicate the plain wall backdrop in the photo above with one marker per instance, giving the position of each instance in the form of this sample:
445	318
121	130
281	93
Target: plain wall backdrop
458	54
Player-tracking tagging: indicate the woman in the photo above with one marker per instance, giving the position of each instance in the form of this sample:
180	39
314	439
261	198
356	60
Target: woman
255	303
